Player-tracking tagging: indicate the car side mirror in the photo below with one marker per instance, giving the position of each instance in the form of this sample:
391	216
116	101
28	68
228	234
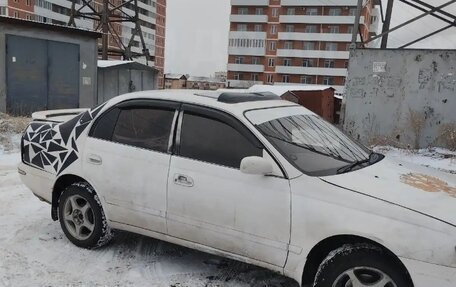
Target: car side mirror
256	165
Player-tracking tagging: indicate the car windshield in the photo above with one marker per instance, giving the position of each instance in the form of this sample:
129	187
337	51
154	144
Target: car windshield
311	144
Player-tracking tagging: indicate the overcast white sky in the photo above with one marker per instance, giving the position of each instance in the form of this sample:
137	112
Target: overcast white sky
197	34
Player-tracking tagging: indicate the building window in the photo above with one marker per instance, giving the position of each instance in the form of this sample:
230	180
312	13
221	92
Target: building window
329	63
238	60
308	80
291	11
272	46
242	27
16	14
259	11
270	79
328	81
27	2
308	46
258	28
331	46
335	11
333	29
308	63
312	11
373	19
287	62
352	12
311	29
289	28
255	61
275	12
2	10
273	29
28	17
243	10
288	45
237	77
271	62
255	77
285	79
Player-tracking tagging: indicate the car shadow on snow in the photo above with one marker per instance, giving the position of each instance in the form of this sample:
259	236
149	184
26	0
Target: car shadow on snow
181	266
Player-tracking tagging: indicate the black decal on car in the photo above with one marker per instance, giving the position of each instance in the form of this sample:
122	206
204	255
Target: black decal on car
53	147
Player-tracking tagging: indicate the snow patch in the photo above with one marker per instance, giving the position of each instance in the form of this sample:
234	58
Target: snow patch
438	158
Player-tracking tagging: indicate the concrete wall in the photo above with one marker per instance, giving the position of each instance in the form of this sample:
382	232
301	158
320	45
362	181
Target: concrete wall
115	81
402	97
88	59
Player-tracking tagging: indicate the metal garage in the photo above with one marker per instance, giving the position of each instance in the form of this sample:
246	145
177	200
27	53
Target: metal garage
45	66
121	77
45	77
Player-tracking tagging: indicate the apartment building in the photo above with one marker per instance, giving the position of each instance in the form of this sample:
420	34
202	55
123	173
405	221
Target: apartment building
152	17
294	41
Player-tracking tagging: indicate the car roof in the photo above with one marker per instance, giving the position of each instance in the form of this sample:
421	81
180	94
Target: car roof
233	102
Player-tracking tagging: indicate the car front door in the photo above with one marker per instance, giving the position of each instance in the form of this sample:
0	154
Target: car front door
127	159
211	202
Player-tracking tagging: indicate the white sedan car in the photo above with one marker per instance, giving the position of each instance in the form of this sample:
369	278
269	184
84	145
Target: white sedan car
250	177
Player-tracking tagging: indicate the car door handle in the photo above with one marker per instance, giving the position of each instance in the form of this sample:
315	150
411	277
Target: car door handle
184	180
95	159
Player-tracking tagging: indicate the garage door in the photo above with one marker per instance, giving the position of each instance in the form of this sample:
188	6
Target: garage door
26	69
41	75
63	71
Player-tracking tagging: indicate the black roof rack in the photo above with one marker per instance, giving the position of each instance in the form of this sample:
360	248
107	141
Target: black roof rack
234	98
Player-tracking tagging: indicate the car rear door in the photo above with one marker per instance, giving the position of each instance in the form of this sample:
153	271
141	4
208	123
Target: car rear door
127	157
211	202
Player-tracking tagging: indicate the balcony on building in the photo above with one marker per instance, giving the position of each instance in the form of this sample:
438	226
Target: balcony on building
318	3
322	54
317	37
248	18
249	2
247	35
246	68
319	19
318	71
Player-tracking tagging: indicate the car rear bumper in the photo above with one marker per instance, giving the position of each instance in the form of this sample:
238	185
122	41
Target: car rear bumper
38	181
425	274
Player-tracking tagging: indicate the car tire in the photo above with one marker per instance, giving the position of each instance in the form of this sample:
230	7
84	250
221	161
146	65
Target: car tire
82	218
360	265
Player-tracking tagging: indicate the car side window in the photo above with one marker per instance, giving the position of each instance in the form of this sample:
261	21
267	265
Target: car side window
146	127
213	141
104	126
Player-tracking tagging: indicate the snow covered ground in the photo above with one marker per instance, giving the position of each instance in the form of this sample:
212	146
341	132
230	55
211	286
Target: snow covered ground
34	251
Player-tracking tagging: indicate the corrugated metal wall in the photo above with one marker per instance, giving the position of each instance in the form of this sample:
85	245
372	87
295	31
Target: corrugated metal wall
117	81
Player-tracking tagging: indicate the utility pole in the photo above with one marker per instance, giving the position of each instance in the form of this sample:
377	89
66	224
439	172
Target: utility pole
386	24
105	31
356	25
